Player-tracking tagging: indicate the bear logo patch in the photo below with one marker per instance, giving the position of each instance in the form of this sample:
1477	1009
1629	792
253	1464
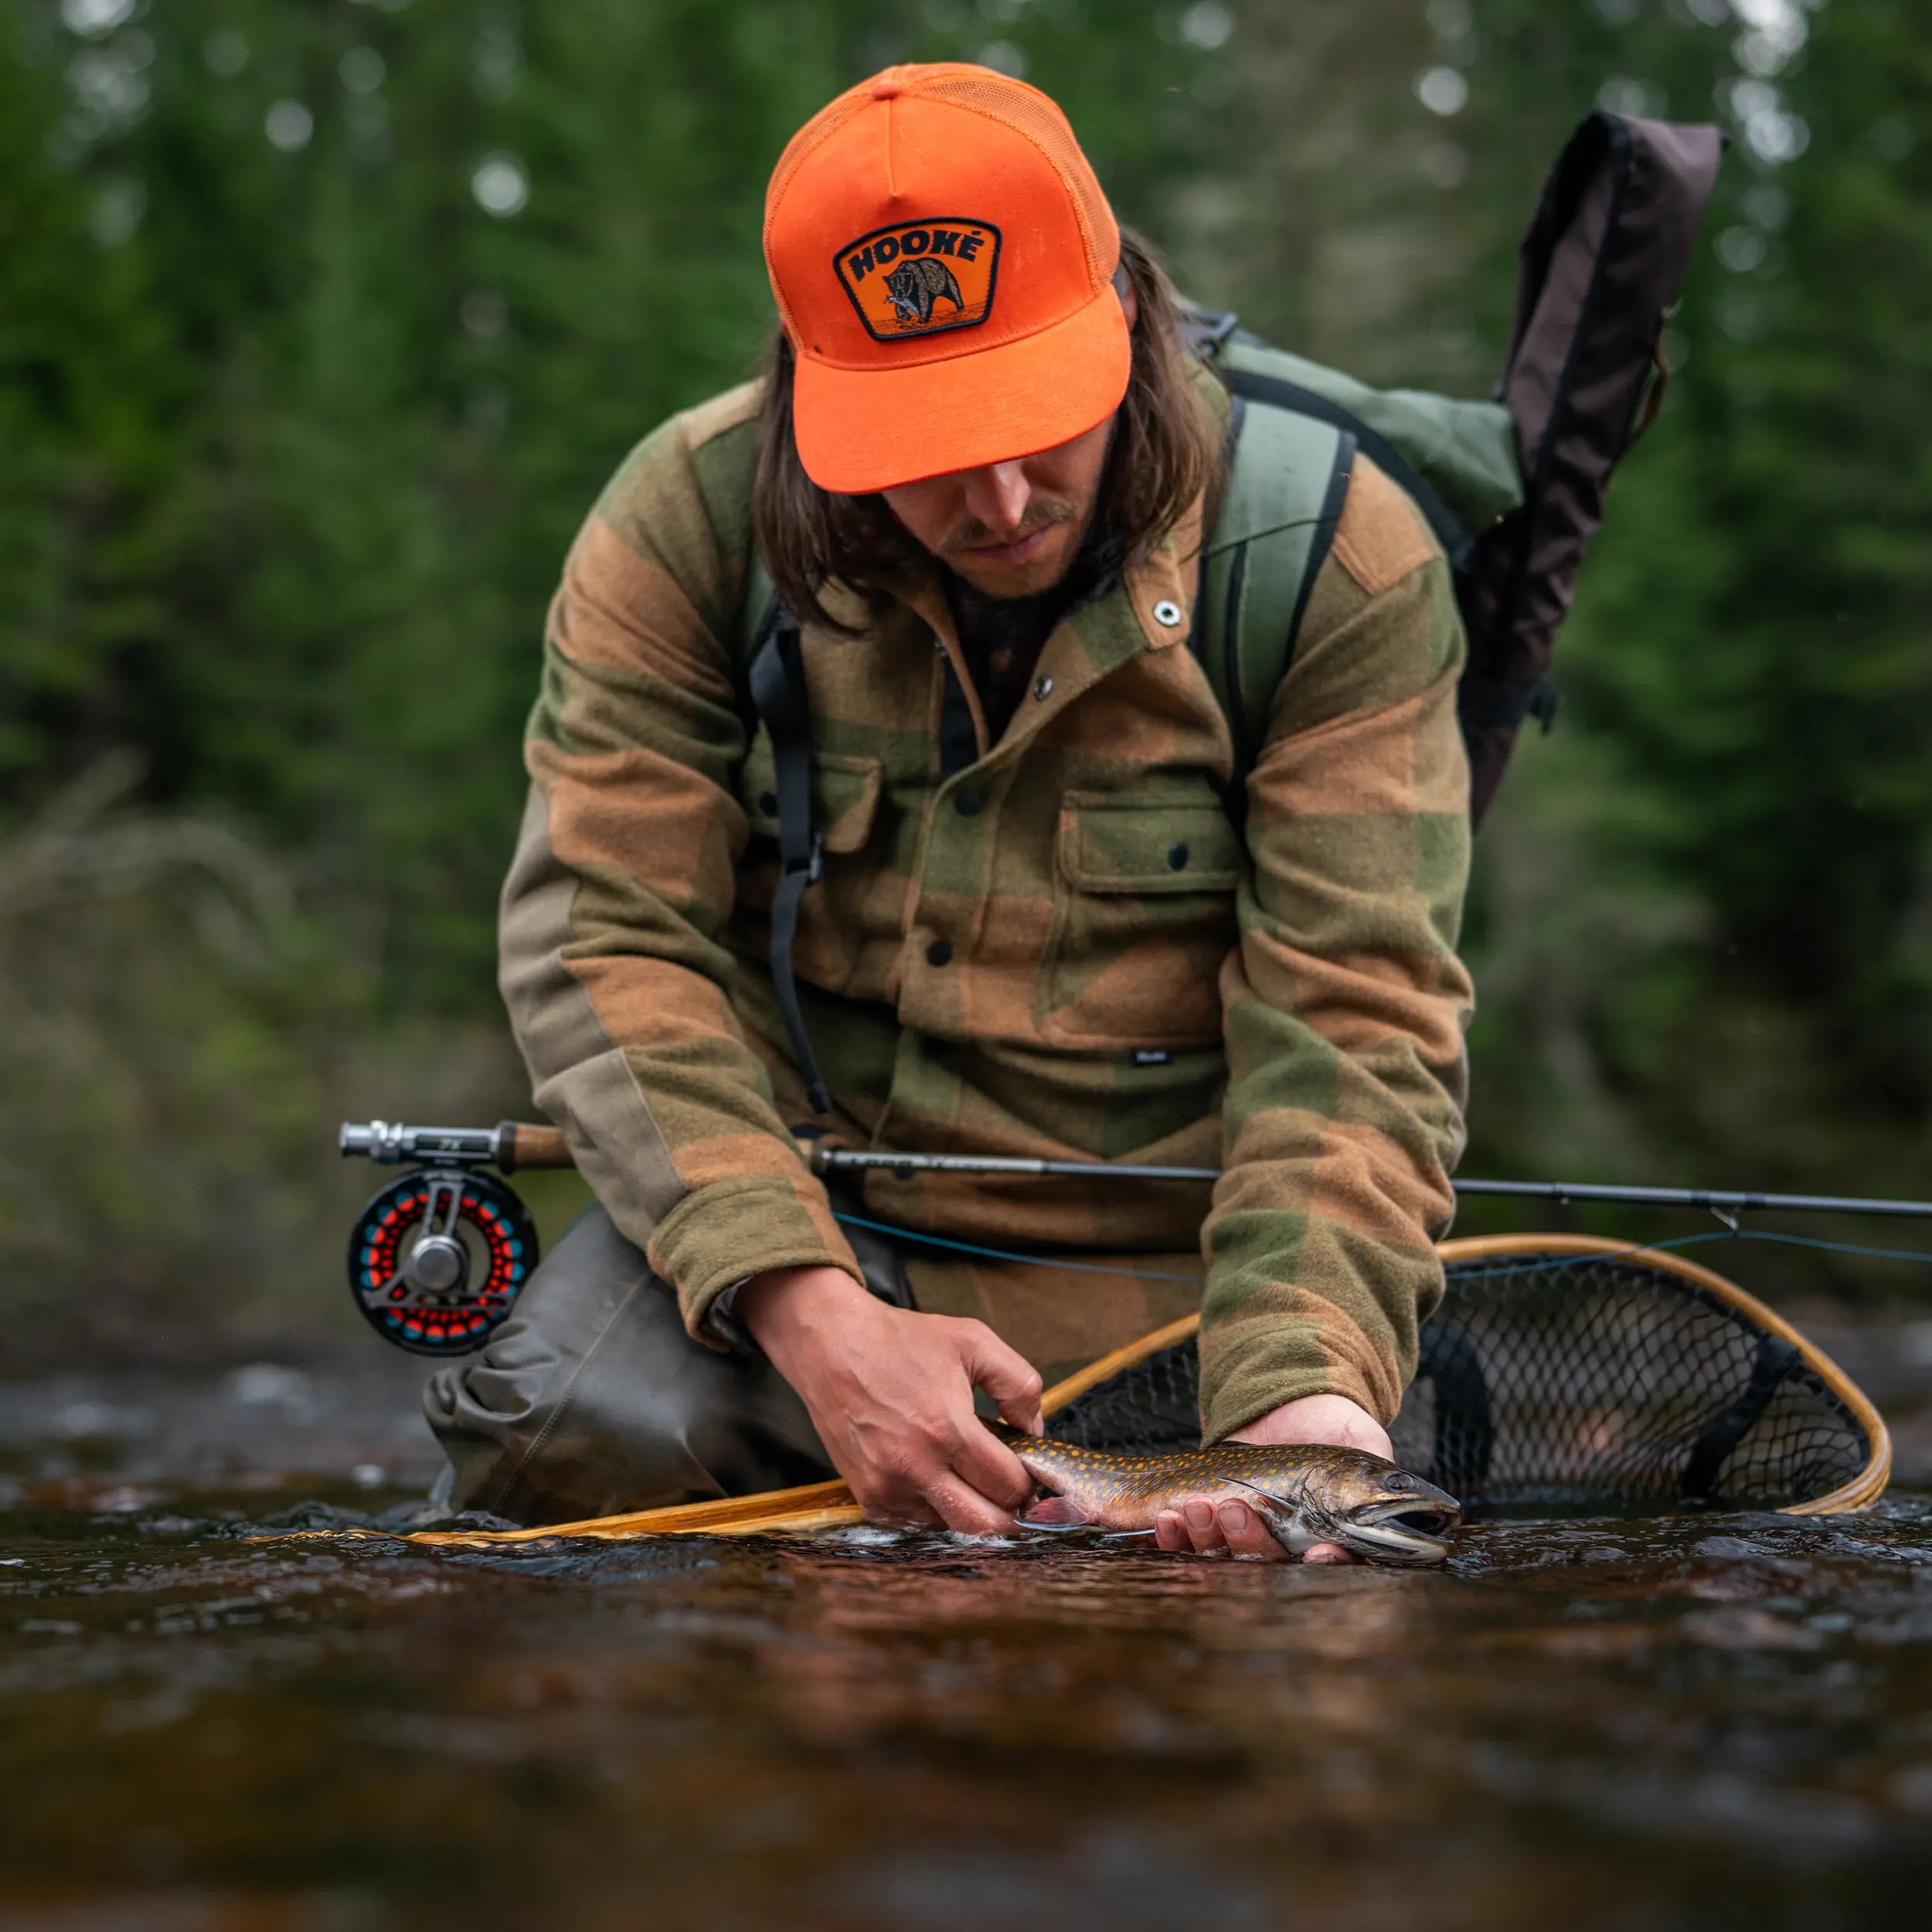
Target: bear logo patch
919	277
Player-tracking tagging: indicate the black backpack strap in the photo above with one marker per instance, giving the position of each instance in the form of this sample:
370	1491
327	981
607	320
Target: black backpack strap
1487	704
778	684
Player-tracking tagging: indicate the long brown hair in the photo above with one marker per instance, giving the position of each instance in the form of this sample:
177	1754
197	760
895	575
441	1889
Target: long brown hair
1166	451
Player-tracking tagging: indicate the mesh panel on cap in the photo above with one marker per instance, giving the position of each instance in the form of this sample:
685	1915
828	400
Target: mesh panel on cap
1029	113
822	126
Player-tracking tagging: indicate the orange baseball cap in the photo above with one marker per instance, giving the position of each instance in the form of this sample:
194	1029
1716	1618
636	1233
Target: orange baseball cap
943	258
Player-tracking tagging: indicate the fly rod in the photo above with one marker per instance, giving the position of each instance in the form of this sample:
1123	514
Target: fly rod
830	1161
439	1255
512	1145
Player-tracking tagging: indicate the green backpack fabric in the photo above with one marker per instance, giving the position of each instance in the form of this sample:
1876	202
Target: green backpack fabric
1514	488
1296	431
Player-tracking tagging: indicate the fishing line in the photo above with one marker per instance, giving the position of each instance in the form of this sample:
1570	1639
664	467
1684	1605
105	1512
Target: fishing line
1531	1267
1006	1254
1801	1241
1492	1273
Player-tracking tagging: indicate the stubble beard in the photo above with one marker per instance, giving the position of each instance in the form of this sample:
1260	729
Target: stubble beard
1028	579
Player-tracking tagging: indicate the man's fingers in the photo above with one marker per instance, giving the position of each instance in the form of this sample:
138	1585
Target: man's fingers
925	1494
1004	1374
899	1509
1203	1527
1247	1534
964	1508
1327	1553
1206	1527
990	1466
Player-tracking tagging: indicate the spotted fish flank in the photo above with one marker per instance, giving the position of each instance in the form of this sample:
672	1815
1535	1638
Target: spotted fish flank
1306	1493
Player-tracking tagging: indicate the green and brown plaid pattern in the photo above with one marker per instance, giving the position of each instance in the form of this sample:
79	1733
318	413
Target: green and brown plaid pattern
1064	949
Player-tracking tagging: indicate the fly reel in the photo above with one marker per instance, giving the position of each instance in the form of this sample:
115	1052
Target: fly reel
438	1257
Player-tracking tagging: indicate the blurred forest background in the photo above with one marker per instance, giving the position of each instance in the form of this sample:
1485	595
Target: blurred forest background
322	321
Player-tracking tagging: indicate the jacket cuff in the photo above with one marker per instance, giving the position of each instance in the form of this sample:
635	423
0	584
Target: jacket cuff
720	1235
1255	1359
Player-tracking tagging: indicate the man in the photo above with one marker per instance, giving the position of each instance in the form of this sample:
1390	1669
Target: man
980	470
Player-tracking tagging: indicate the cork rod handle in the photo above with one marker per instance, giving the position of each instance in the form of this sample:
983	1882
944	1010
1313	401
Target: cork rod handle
519	1144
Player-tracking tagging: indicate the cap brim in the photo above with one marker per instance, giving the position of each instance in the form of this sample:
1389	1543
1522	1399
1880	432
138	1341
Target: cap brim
859	430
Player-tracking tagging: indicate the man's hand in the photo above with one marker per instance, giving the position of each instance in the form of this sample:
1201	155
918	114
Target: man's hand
1205	1528
891	1395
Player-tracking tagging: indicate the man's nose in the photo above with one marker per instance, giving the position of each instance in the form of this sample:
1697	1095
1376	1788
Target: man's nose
997	495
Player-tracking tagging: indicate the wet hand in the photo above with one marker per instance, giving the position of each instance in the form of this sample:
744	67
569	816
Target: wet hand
1201	1527
1205	1528
890	1392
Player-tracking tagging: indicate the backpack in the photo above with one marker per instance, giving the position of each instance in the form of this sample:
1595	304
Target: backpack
1512	488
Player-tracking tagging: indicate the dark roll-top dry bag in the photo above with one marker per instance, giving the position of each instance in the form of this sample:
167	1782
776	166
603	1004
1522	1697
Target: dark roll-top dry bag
1602	264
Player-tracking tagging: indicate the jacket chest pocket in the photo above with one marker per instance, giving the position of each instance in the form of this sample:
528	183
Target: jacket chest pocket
845	792
844	796
1143	918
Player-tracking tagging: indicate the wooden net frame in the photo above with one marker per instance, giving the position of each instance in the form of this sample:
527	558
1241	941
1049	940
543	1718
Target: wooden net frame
1847	1439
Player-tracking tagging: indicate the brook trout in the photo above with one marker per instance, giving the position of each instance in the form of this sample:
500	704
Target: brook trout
1307	1493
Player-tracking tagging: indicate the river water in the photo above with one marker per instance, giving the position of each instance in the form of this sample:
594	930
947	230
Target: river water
1720	1722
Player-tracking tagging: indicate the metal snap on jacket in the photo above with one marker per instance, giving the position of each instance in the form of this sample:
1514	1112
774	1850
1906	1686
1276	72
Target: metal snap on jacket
939	952
1167	612
1177	858
1042	689
967	802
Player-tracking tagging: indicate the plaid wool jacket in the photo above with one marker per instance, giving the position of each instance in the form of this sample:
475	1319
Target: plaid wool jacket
1057	944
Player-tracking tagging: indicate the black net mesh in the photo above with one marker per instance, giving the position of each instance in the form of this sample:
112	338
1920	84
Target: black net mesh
1566	1384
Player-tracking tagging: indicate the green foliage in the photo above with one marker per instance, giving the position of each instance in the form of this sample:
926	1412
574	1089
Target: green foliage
308	426
1748	644
321	324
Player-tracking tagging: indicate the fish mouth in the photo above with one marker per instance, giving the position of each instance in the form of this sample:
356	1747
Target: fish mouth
1406	1526
1410	1530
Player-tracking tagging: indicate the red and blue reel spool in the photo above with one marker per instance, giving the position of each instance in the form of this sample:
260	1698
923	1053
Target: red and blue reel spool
438	1257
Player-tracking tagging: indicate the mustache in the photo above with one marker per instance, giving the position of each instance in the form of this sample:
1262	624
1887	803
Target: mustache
973	534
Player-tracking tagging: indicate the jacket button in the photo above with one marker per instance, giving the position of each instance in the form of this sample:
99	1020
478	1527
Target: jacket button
939	952
768	804
1167	614
1177	858
1042	689
968	802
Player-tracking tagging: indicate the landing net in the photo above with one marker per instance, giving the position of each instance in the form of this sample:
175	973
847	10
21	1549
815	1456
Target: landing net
1575	1377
